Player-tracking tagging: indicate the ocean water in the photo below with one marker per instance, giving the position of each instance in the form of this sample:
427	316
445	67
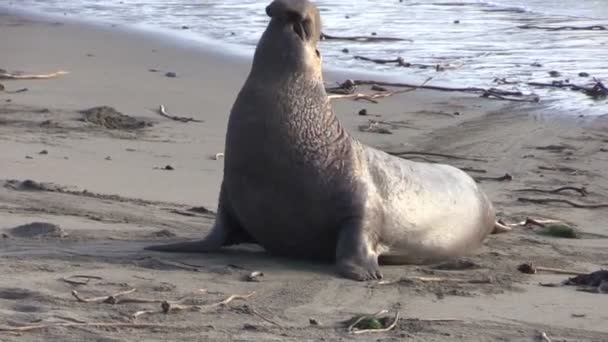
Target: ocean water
477	41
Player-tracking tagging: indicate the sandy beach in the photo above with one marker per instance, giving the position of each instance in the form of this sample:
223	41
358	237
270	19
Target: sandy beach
100	194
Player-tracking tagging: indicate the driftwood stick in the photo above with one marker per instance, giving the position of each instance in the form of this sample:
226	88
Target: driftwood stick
163	112
505	177
399	61
482	91
531	221
85	324
111	299
582	190
448	156
409	279
169	306
598	90
500	228
325	36
88	278
545	337
18	76
371	97
532	269
560	28
255	312
556	200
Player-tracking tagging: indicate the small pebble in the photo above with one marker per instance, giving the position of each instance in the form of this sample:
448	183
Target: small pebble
373	33
185	27
456	113
313	321
28	157
168	168
153	70
583	74
347	17
232	34
536	64
108	158
456	21
171	74
363	112
43	152
345	50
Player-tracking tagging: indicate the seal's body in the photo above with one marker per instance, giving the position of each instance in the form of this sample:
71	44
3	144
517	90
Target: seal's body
299	185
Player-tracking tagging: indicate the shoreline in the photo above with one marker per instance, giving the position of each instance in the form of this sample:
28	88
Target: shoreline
102	236
205	45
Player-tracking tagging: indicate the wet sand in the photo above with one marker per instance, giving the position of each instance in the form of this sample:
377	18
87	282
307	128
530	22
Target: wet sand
107	194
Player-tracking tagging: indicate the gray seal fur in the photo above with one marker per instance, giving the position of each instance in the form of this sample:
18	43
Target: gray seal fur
297	183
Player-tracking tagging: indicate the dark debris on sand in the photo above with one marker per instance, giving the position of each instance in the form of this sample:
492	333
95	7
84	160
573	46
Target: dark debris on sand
37	229
110	118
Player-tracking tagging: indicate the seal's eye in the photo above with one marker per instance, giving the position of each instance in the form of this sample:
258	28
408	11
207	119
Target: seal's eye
318	53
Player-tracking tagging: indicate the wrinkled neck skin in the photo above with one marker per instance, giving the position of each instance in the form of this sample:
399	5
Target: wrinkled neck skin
292	111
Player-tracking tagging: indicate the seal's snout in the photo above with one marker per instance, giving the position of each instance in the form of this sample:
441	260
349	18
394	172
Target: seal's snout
296	14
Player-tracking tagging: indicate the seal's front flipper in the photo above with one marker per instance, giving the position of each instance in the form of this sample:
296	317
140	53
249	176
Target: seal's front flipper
356	257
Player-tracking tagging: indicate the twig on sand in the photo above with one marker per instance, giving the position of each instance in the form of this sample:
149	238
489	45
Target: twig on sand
173	306
597	91
5	75
582	190
500	228
255	312
448	156
556	200
325	36
529	268
531	221
371	97
505	177
111	299
84	324
559	28
399	61
22	90
71	280
349	85
409	279
472	169
545	337
163	112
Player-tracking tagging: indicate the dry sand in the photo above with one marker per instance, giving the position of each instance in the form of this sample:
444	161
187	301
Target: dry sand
106	194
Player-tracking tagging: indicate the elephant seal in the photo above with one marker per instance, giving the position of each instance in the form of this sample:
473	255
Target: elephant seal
297	183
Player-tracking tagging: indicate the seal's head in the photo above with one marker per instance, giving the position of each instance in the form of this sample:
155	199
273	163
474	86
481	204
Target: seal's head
290	40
